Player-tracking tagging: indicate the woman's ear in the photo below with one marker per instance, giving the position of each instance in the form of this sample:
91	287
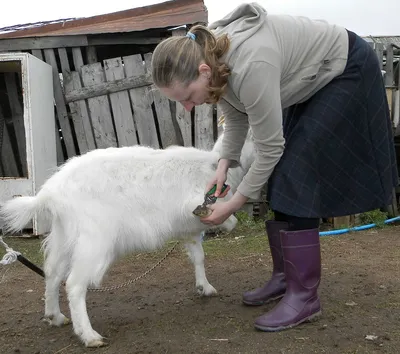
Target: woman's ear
205	70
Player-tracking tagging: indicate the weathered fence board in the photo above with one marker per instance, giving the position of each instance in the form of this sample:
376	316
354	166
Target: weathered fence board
106	88
204	134
379	53
99	108
141	103
8	162
167	129
121	106
184	119
219	116
91	55
77	58
389	78
17	114
61	109
80	115
77	115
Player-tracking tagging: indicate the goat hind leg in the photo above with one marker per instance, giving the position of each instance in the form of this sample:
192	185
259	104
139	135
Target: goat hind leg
87	268
195	251
55	268
54	276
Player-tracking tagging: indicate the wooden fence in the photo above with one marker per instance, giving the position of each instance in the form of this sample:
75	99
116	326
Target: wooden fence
114	103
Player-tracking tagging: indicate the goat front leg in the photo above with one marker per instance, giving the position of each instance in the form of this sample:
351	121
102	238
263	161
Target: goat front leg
195	252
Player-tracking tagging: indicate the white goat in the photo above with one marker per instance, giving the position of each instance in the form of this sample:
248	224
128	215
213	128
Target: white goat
112	201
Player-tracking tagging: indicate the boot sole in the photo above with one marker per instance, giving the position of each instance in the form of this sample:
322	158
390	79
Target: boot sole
259	303
314	317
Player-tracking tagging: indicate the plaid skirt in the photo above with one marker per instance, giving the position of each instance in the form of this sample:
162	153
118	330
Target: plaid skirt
339	157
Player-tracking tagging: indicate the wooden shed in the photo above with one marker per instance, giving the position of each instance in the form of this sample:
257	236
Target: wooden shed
102	86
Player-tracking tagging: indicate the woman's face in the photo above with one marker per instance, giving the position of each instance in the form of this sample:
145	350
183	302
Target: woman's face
194	94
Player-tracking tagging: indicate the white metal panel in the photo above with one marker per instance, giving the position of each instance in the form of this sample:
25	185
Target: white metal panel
40	101
38	106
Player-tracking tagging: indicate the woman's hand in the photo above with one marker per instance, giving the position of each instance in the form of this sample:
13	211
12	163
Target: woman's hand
223	210
219	178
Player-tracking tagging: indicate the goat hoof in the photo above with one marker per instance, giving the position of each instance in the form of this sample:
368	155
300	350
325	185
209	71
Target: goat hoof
206	290
96	343
56	321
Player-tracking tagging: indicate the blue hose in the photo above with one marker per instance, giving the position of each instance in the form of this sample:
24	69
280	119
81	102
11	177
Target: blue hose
343	231
357	228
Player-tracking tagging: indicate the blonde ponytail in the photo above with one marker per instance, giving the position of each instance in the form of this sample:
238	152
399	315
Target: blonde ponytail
178	59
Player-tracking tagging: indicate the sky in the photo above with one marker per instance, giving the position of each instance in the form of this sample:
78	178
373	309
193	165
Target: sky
353	14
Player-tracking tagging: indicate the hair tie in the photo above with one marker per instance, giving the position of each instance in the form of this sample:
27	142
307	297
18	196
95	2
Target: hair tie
191	36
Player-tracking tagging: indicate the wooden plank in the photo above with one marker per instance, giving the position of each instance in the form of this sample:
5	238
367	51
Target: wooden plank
8	162
60	154
392	208
168	133
396	112
389	79
61	110
16	44
59	149
8	158
38	54
398	74
341	221
183	117
379	53
121	105
179	32
77	58
80	116
17	113
99	108
389	94
141	103
62	54
91	55
122	39
203	118
219	118
106	88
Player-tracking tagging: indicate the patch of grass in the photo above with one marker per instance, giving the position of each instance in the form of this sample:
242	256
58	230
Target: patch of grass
248	237
28	247
236	247
248	222
374	217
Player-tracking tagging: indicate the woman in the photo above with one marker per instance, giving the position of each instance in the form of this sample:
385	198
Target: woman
331	154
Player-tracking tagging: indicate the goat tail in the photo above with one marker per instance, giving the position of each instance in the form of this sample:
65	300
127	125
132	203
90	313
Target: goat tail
17	212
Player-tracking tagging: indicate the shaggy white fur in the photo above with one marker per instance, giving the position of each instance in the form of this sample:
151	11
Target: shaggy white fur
112	201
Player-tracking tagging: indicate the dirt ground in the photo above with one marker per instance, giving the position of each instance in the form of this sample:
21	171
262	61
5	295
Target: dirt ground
161	313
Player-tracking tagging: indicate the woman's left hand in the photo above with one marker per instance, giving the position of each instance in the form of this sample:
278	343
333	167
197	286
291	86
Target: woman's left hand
223	210
220	212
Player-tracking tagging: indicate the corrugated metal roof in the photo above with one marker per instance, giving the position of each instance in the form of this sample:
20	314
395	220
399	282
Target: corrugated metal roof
385	40
163	15
23	26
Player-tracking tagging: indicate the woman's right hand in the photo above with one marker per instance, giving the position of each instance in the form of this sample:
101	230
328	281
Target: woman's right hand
219	178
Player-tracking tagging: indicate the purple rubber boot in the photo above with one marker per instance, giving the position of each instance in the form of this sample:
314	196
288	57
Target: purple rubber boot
274	288
302	259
